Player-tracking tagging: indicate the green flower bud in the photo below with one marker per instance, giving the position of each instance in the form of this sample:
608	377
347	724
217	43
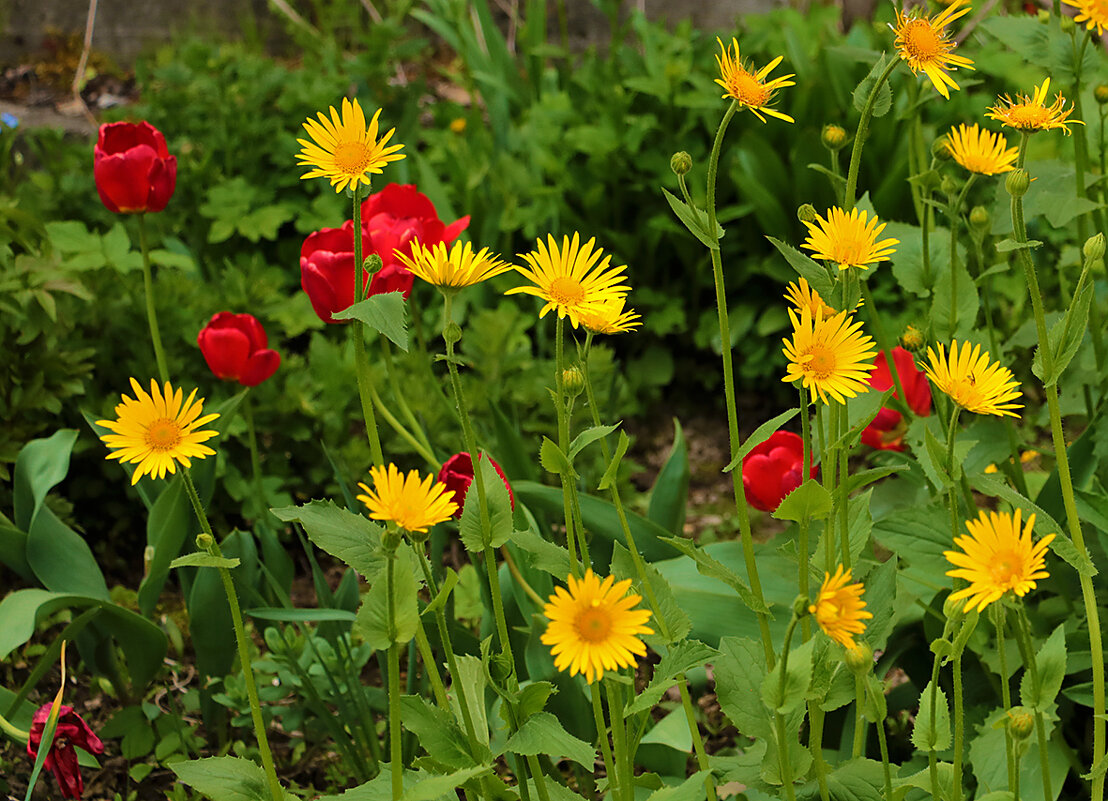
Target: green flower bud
834	136
912	339
1101	94
680	162
806	213
949	186
1017	182
390	540
859	659
802	606
940	150
500	668
419	537
1094	248
1020	722
573	382
953	610
372	263
204	542
1068	25
979	218
452	333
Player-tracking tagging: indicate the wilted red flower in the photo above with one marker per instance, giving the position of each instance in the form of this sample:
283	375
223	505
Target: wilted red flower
457	474
773	469
399	214
62	758
132	167
236	349
886	431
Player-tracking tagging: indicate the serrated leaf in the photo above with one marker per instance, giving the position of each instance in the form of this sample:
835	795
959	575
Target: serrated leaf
784	697
884	99
352	538
808	269
545	555
203	560
225	779
1008	245
542	733
1050	662
372	620
922	736
692	789
435	787
383	313
708	565
739	672
438	733
498	505
695	220
809	501
552	459
681	658
1066	335
676	622
587	437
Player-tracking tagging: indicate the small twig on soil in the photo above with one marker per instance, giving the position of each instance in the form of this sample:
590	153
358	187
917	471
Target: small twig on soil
79	75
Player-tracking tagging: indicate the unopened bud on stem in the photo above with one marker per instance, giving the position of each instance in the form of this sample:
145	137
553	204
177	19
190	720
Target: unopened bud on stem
806	213
1094	248
680	162
1017	182
834	137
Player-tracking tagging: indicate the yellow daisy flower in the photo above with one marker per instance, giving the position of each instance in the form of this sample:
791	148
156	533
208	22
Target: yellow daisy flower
839	609
997	556
594	627
456	266
609	317
802	296
829	356
157	430
343	149
412	504
849	240
1031	114
1094	13
926	45
981	151
971	381
753	90
572	277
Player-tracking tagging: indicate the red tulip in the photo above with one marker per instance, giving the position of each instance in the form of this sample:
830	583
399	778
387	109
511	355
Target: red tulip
62	758
457	474
400	213
773	469
236	349
886	431
132	167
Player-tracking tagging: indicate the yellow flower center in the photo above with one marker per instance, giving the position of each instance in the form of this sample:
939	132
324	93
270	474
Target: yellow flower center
1026	116
821	362
1003	568
921	40
566	290
747	89
163	434
352	158
593	623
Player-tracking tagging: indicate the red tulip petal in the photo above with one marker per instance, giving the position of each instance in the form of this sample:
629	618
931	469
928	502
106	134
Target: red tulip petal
125	178
260	366
225	350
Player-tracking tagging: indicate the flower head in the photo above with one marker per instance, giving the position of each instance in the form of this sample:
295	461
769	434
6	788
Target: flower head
399	215
594	626
133	169
71	731
1094	13
981	151
997	556
886	430
236	349
157	430
849	240
453	267
457	475
926	45
609	317
830	356
343	150
839	609
754	89
571	277
1031	114
802	296
775	468
972	381
411	503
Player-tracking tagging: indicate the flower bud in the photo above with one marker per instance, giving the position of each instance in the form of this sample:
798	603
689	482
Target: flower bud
1068	25
912	338
573	382
1020	722
204	542
452	333
1017	182
500	668
806	213
802	606
680	162
390	540
979	218
949	186
953	610
834	136
419	537
940	150
372	263
859	659
1101	94
1094	248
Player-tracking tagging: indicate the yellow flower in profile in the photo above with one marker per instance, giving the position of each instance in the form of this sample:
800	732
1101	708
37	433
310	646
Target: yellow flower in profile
157	430
572	277
753	89
594	626
926	45
971	381
849	240
609	317
981	151
1094	13
802	296
839	609
343	149
412	504
1031	114
997	556
829	356
456	266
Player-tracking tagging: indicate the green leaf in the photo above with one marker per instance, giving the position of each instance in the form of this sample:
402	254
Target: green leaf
498	506
612	471
695	220
692	789
542	733
383	313
922	737
282	615
670	494
545	555
1008	245
884	100
13	551
708	565
439	601
1066	335
807	502
880	597
739	673
759	435
858	780
40	466
437	732
168	525
533	698
785	698
472	682
682	657
587	437
200	559
352	538
677	624
553	460
435	787
372	621
1051	664
811	271
225	779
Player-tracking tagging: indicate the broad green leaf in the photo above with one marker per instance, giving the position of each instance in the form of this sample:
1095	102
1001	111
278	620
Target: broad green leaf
498	507
880	597
200	559
739	673
471	681
809	270
225	779
1008	245
170	522
545	555
61	559
693	788
682	657
807	502
40	466
373	619
695	220
533	698
542	733
862	92
437	732
552	459
1050	662
921	780
435	787
13	551
922	736
670	494
858	780
352	538
784	697
708	565
587	437
383	313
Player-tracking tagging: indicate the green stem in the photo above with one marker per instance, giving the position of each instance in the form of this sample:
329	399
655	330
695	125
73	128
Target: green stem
539	777
779	719
959	726
955	217
602	736
1006	697
620	752
844	457
275	788
572	538
804	563
883	744
16	733
827	463
438	689
424	448
1027	652
151	310
900	400
932	757
396	731
815	746
860	722
860	136
255	462
357	332
951	434
399	428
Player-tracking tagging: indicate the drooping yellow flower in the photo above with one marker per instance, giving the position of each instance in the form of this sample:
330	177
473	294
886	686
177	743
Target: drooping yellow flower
343	149
829	356
997	556
839	609
594	626
572	277
981	151
754	89
926	45
609	317
1094	13
456	266
802	296
157	430
412	504
967	376
849	240
1031	114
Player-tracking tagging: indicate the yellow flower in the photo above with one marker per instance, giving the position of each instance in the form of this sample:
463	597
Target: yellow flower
456	266
594	627
412	504
750	88
1031	114
609	317
971	381
997	557
830	356
572	277
839	608
343	150
926	45
1094	13
981	151
802	296
849	240
157	430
